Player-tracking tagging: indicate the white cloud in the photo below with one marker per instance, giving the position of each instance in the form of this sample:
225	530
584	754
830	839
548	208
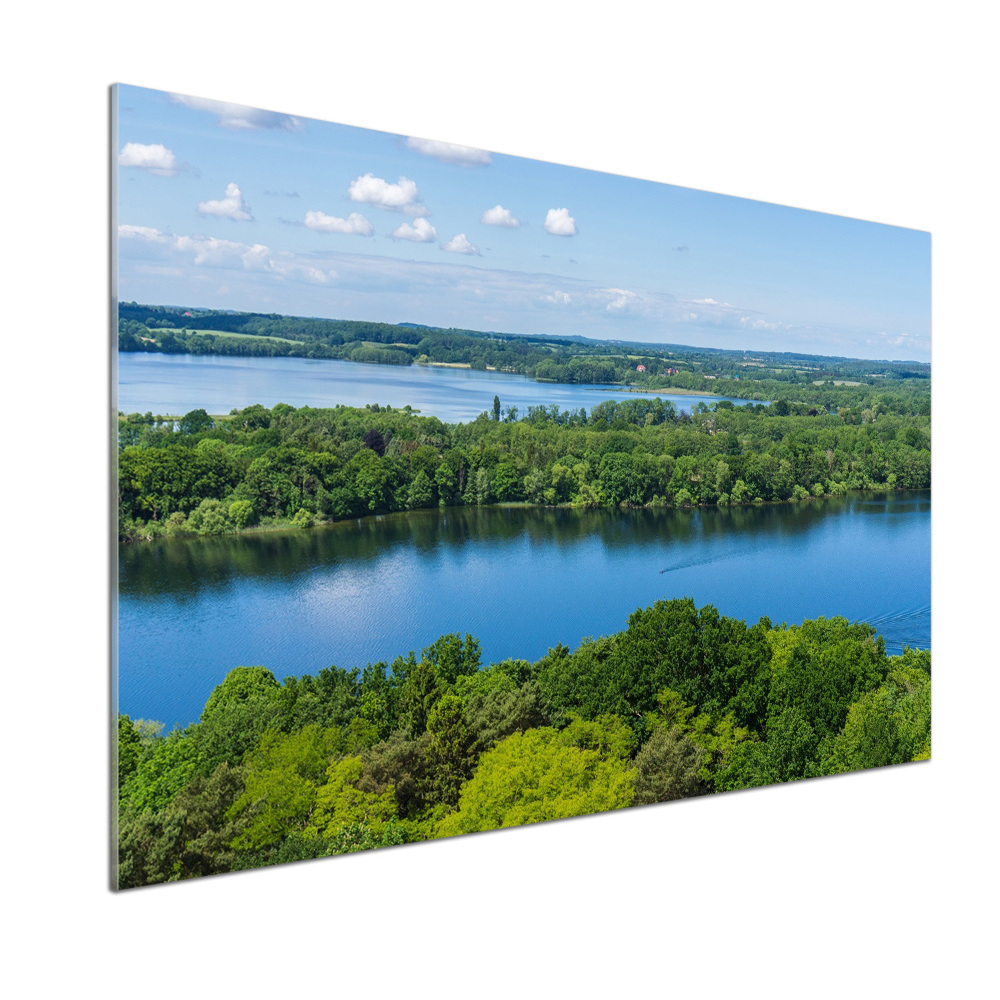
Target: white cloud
459	244
287	265
558	298
760	324
231	207
354	225
210	250
402	196
238	116
420	232
467	156
256	258
155	158
559	222
621	298
206	251
499	216
904	340
141	233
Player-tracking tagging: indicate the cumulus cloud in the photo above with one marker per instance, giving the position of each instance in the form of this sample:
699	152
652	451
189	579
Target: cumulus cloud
212	252
141	233
420	232
620	298
354	225
402	196
750	323
559	222
904	340
467	156
231	207
459	244
238	116
499	216
155	158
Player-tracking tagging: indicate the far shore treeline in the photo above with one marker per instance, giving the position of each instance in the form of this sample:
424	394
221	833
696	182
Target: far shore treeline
683	702
746	374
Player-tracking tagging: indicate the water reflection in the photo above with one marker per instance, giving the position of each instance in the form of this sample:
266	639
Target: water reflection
182	568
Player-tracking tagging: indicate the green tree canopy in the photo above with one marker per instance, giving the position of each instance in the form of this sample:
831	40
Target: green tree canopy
535	776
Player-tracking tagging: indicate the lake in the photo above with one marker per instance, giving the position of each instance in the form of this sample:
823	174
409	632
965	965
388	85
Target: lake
518	579
175	384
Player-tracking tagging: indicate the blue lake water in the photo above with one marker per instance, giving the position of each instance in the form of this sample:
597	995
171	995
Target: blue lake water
519	579
174	384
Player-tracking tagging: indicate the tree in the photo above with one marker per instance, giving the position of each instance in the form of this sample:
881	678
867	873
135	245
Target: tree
211	517
129	749
401	765
281	779
373	439
239	686
241	513
447	485
424	681
821	668
450	754
506	482
340	802
496	408
668	767
496	713
195	422
187	838
534	776
165	767
239	711
421	491
890	725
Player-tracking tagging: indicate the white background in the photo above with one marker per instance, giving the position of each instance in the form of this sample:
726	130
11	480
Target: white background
879	884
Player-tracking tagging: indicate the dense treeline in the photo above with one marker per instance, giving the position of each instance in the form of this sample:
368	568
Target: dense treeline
682	703
262	466
743	374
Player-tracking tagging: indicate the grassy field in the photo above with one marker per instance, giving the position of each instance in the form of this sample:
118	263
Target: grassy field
226	335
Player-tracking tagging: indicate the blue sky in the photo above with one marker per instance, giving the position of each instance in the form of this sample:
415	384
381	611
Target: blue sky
228	207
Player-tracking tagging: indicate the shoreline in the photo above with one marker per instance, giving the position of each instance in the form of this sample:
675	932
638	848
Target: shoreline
288	526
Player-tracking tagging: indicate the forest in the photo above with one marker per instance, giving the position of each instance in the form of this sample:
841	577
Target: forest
683	702
738	373
257	467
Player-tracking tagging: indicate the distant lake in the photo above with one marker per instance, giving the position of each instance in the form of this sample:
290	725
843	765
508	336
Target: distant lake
174	384
518	579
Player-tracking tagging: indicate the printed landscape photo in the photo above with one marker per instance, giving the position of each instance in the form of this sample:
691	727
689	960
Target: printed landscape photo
459	491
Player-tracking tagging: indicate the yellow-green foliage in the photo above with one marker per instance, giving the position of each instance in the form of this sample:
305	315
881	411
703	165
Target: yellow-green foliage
535	776
339	802
282	777
889	725
715	737
782	642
